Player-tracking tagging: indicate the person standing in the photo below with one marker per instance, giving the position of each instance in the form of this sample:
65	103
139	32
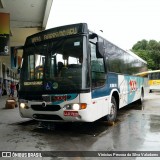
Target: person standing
0	89
12	87
17	88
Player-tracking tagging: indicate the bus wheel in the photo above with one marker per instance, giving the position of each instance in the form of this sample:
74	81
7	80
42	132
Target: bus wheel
140	101
142	95
113	112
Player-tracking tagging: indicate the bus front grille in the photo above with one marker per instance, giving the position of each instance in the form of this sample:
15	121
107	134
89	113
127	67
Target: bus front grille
38	107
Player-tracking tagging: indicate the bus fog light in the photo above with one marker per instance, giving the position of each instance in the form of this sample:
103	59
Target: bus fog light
67	107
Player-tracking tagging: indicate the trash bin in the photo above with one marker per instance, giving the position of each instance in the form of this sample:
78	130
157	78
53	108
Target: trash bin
11	103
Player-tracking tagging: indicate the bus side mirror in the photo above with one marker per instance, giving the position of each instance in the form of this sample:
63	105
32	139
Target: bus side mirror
100	50
93	35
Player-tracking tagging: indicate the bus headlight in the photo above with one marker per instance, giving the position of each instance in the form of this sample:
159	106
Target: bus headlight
76	106
23	106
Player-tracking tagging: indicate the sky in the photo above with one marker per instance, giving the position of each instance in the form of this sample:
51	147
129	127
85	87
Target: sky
124	22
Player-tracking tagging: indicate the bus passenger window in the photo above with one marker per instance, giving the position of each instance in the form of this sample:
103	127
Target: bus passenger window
35	66
39	72
30	67
97	69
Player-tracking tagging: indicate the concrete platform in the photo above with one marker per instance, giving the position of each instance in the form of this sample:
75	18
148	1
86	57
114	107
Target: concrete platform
137	129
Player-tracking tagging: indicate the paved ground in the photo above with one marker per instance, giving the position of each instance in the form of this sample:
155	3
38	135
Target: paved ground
137	129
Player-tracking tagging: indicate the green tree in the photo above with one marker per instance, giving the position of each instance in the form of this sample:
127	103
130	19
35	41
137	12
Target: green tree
149	51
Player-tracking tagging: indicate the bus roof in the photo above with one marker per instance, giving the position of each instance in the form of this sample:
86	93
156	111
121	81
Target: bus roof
101	34
135	55
57	32
67	30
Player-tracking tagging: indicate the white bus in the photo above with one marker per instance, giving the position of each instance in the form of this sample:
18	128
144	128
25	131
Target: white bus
72	74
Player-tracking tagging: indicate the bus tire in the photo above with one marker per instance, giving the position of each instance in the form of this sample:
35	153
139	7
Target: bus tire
140	101
113	112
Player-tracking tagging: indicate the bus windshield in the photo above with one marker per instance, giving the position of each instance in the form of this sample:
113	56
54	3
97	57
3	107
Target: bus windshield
59	64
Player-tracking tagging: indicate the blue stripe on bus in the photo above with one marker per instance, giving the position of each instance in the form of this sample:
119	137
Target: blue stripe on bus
111	82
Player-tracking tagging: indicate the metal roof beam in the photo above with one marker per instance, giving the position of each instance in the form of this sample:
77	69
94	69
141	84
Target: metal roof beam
2	5
46	13
25	24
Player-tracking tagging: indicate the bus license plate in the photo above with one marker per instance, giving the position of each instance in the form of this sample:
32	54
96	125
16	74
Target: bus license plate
71	113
